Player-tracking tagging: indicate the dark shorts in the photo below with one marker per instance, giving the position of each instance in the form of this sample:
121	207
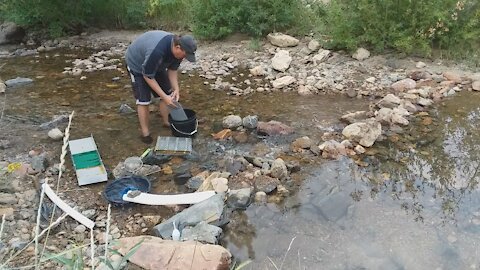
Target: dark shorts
142	91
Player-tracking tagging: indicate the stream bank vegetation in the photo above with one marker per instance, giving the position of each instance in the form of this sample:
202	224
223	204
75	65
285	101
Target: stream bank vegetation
445	28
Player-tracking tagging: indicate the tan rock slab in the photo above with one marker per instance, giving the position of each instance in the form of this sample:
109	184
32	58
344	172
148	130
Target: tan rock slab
155	253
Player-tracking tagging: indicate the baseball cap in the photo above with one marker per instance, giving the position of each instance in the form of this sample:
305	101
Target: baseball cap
189	45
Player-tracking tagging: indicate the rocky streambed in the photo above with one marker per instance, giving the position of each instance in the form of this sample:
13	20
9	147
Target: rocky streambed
304	147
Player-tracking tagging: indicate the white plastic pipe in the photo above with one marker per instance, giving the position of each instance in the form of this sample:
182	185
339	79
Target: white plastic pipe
66	208
155	199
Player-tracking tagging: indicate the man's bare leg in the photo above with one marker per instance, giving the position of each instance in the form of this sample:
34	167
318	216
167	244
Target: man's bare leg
164	111
144	118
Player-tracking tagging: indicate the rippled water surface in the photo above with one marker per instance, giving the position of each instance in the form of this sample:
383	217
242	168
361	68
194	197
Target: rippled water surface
416	206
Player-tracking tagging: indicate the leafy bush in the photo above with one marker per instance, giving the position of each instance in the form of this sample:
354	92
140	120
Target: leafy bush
404	25
58	17
218	18
171	13
52	16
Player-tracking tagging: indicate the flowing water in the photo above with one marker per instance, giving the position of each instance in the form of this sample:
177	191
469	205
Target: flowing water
416	206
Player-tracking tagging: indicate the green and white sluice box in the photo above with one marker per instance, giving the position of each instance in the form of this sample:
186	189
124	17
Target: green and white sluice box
87	161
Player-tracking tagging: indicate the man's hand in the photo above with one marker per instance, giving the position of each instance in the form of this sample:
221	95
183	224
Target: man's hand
169	101
175	95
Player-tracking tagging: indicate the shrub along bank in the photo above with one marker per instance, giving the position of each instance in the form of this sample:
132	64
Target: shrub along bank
411	27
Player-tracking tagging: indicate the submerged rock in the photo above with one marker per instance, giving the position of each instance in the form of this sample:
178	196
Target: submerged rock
18	82
273	128
209	210
202	232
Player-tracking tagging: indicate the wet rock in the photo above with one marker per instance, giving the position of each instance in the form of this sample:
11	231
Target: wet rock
282	191
202	232
209	211
57	120
239	199
196	181
301	143
365	133
240	137
250	121
232	121
273	128
55	134
125	109
153	159
256	161
235	165
222	135
332	149
359	149
219	184
18	82
279	169
181	178
260	197
293	166
282	40
266	183
354	117
155	253
333	207
389	116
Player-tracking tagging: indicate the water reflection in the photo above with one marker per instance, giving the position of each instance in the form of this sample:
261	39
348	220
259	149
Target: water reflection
446	169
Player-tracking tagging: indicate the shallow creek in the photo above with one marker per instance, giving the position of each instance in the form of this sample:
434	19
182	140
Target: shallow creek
416	206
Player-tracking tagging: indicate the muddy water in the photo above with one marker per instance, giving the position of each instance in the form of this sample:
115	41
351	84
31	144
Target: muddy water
414	207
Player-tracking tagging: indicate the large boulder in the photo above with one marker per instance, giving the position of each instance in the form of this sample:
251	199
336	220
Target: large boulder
365	133
281	61
11	33
155	253
209	210
282	40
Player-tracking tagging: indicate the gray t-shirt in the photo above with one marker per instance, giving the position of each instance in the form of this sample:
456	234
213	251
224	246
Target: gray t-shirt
150	53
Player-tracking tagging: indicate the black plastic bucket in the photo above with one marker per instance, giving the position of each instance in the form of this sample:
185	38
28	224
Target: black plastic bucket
186	128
